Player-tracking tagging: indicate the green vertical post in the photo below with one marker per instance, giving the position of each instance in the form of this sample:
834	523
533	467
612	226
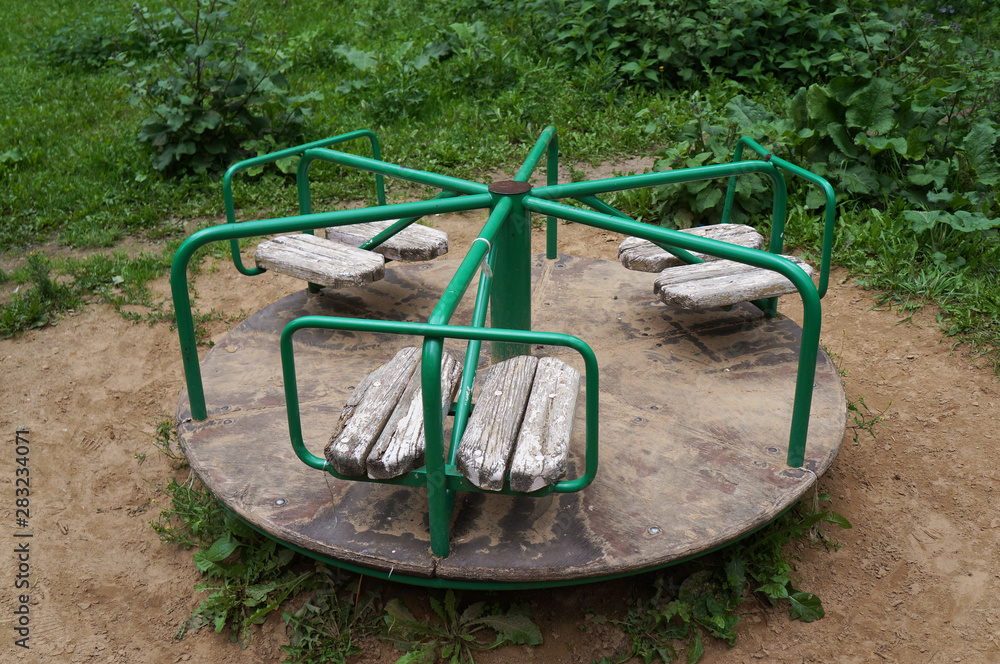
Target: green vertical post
510	301
438	503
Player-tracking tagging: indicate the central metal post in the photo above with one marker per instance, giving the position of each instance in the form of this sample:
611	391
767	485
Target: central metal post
510	299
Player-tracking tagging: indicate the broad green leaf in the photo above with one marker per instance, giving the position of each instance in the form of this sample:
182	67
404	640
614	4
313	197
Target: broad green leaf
736	574
842	88
747	112
840	137
362	60
425	654
439	609
221	549
708	199
806	607
931	93
823	108
398	611
774	590
472	612
839	520
797	109
916	144
859	179
968	222
815	198
870	108
935	171
877	144
696	648
979	145
288	165
449	607
513	628
921	220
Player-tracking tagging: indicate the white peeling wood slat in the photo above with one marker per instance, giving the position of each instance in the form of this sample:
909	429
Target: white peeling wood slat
400	447
413	243
721	283
367	412
542	448
489	437
320	261
644	256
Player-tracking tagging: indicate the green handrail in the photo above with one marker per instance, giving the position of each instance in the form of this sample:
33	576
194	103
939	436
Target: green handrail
438	476
227	181
179	266
830	210
547	143
807	291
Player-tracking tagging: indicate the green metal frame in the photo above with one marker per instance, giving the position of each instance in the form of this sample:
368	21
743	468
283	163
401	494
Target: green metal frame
503	245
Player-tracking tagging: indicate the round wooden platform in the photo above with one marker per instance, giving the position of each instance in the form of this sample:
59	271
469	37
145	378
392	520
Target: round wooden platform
695	411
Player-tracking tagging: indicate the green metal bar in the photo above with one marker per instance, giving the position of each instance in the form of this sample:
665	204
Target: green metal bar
178	272
399	172
595	187
463	407
830	209
438	333
777	246
601	206
812	317
382	236
547	144
227	181
292	403
539	149
435	474
439	502
460	281
552	179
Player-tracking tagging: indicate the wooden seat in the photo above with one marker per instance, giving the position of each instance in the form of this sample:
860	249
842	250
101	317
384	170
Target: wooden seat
413	243
714	283
522	422
320	261
337	261
381	429
644	256
721	283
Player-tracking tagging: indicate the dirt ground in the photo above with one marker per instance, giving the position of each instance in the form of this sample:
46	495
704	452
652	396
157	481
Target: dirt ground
916	579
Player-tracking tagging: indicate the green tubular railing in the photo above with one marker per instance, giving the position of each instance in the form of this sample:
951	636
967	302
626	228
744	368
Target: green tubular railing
441	478
830	209
548	144
224	232
812	315
227	182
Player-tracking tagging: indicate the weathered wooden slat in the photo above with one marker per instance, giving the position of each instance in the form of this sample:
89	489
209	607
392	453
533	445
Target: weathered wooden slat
644	256
367	412
542	448
320	261
721	283
400	448
413	243
486	446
